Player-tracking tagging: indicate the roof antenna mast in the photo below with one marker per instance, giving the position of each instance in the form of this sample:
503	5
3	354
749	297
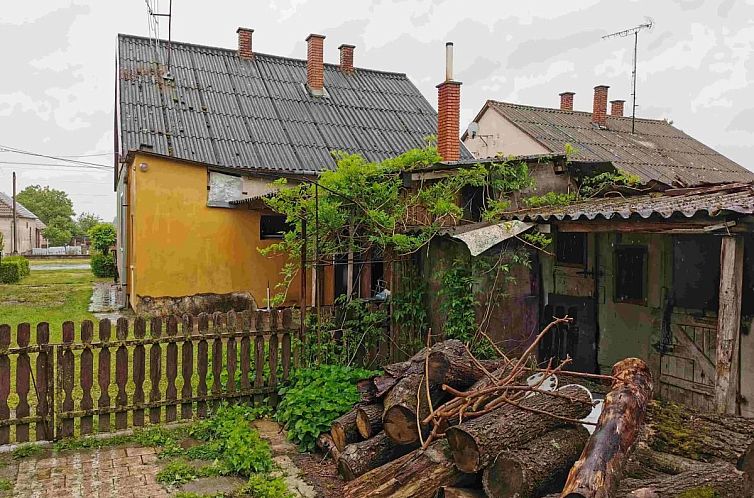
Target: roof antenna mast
154	29
648	25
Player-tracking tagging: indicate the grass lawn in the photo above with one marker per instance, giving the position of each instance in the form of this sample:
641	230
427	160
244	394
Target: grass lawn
52	296
59	261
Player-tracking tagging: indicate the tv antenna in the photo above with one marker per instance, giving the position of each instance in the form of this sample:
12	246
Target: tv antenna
648	25
153	8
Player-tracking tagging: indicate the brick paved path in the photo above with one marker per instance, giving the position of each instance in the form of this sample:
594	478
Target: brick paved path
108	472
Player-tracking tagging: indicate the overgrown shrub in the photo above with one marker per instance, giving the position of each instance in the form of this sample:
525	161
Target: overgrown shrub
22	263
315	398
103	237
103	265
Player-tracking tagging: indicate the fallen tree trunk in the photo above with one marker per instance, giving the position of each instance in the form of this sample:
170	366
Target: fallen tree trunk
673	428
537	467
645	463
416	475
720	479
476	442
344	431
359	458
597	473
369	419
451	492
327	446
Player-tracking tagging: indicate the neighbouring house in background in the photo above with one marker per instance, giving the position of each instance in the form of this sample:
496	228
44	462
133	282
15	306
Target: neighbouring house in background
662	270
28	231
200	141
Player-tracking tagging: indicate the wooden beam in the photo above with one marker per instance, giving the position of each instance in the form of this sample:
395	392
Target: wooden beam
729	324
647	226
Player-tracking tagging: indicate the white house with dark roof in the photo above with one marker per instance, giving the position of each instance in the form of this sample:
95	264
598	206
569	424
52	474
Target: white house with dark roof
28	231
658	153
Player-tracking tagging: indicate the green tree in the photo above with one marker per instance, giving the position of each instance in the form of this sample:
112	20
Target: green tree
85	222
102	236
57	236
47	203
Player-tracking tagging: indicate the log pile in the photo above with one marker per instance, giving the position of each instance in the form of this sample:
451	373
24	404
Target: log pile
444	423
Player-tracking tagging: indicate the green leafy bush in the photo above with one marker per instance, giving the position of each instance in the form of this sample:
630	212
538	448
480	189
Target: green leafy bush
22	263
10	272
103	265
260	486
103	237
231	441
180	472
315	398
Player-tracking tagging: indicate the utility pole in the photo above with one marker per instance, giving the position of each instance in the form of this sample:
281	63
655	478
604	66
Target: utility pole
622	34
14	233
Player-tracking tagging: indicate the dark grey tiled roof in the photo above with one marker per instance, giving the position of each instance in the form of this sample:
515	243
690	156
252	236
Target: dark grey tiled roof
6	208
226	111
656	152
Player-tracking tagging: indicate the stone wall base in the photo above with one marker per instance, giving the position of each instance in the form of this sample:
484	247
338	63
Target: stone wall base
193	305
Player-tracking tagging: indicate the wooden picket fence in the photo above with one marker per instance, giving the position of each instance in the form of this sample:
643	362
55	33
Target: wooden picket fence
136	381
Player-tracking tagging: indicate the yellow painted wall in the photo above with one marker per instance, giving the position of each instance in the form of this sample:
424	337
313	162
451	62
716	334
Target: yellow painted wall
180	247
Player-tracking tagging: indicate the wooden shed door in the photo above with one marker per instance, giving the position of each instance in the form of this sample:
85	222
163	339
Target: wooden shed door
577	340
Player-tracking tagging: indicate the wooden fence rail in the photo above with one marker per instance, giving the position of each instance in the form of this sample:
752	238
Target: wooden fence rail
161	371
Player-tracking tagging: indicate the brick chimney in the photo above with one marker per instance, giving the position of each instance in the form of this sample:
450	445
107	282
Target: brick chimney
449	111
346	58
599	110
616	108
315	71
244	43
566	101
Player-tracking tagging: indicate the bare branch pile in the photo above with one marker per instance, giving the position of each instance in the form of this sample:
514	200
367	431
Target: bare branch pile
444	423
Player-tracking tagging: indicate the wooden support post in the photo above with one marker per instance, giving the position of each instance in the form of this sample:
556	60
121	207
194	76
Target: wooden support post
729	325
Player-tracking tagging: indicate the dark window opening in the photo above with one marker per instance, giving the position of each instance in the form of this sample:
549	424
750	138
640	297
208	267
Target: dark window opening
273	226
696	272
472	201
631	274
570	248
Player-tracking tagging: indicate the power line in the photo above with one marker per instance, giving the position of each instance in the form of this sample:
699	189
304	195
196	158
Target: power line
56	158
78	155
57	165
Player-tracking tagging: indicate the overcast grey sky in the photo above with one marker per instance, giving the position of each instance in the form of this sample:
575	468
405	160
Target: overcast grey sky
696	67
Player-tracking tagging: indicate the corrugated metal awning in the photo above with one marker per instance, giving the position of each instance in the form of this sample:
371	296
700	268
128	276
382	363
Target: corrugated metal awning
482	236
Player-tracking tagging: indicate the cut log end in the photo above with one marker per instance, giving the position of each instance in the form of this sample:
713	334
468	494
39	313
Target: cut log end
338	436
345	470
466	451
508	480
369	420
399	424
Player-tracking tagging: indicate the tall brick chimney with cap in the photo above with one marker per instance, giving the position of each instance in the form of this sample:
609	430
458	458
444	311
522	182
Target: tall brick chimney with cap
244	43
315	70
599	110
616	108
449	111
566	101
346	58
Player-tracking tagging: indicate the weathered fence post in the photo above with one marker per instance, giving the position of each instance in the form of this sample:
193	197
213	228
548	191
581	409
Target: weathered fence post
201	363
155	370
44	384
273	352
218	328
246	326
187	367
4	384
86	377
140	331
287	325
103	376
171	367
23	372
263	325
121	374
232	352
65	376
